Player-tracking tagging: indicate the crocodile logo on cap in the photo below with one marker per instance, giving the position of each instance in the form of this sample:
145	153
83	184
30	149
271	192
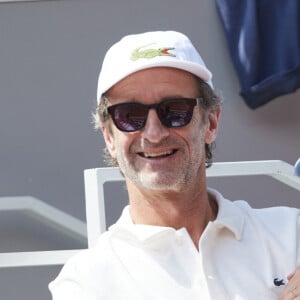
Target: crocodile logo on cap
150	53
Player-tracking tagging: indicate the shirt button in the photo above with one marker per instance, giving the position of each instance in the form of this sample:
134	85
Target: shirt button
179	239
200	282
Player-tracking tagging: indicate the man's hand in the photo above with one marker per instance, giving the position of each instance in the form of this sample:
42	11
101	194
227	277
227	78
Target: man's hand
292	289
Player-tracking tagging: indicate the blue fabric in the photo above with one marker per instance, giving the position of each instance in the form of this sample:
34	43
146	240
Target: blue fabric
264	43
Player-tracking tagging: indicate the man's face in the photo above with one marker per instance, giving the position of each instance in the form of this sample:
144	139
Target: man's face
157	157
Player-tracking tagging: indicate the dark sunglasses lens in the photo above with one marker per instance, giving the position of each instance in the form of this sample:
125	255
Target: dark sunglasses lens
176	113
129	116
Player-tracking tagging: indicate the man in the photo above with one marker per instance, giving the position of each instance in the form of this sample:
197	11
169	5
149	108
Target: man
178	239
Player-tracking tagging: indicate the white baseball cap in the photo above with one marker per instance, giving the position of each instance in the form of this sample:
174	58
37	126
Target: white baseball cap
147	50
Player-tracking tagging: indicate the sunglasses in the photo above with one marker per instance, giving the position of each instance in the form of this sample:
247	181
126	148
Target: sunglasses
172	113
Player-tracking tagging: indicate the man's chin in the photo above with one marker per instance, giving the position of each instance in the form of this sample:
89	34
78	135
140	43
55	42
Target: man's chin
159	182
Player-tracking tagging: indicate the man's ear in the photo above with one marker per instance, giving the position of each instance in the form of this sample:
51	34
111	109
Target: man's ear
212	125
109	140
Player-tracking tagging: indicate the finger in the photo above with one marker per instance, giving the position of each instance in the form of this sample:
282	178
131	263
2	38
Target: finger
292	294
296	272
289	295
291	276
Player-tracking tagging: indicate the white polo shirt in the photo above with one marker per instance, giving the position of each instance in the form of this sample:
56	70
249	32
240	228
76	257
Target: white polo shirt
245	254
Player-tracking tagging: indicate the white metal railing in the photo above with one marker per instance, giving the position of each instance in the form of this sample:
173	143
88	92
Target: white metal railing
96	178
35	258
50	216
47	214
95	206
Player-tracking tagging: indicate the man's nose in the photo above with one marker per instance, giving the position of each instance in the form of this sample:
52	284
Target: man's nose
154	131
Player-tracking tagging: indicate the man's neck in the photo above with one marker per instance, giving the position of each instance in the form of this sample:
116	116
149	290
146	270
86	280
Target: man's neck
191	208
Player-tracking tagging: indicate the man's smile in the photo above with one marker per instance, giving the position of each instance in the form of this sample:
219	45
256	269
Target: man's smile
157	154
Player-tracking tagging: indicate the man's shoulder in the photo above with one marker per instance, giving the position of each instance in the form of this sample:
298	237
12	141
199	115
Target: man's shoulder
276	220
245	208
271	212
96	255
85	270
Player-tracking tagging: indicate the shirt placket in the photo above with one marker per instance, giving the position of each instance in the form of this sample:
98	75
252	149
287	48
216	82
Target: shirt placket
207	243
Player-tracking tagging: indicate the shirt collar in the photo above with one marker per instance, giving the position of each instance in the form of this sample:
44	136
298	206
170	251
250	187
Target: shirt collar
229	216
142	232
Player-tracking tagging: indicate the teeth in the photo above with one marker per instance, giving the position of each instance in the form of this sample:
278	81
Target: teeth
152	155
